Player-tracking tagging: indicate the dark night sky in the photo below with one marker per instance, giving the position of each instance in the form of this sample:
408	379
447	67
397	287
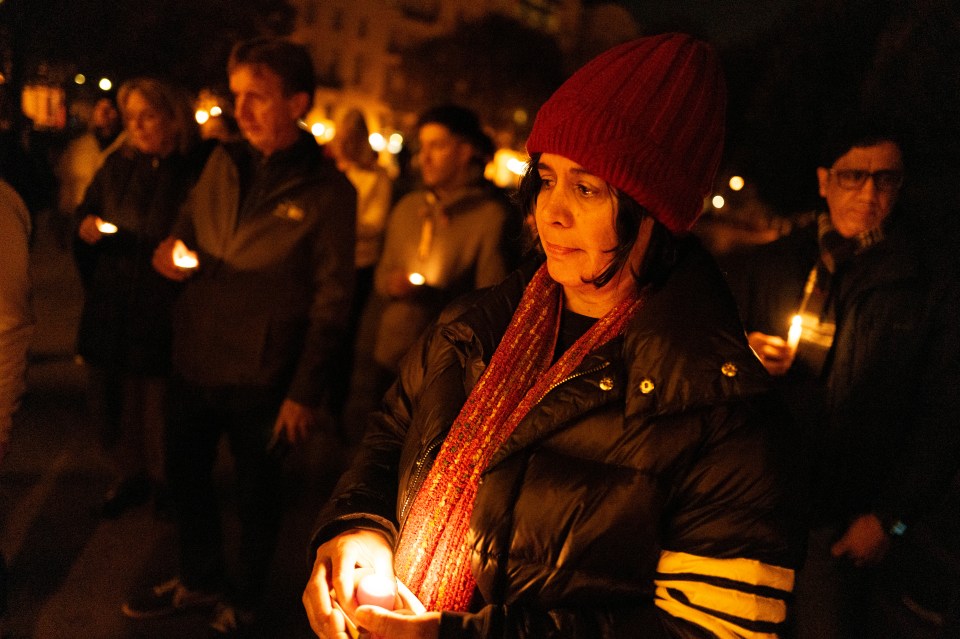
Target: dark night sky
782	57
723	22
134	36
186	39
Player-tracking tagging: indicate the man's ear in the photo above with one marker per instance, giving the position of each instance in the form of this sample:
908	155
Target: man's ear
297	104
823	177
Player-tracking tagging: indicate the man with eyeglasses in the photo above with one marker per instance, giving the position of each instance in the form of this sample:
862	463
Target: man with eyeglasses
860	338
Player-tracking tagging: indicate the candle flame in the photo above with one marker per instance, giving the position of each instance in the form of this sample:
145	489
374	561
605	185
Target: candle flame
796	329
106	227
184	257
417	279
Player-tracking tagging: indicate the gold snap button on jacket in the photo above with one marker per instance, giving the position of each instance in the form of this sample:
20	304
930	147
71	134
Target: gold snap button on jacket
606	383
729	369
646	386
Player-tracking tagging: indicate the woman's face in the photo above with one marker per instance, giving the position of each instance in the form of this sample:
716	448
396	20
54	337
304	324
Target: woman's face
575	216
150	130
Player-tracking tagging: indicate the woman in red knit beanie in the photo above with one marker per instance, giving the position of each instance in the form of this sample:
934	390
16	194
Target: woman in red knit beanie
590	448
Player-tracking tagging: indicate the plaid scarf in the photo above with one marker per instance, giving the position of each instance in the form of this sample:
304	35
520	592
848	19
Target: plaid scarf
433	557
817	309
836	250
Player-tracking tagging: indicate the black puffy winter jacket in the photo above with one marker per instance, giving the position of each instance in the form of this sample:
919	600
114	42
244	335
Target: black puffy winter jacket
645	496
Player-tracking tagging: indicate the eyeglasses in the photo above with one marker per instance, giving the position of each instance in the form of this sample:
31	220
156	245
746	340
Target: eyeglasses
887	180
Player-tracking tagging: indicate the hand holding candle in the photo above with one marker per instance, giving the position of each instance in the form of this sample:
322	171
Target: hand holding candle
372	590
772	351
92	229
174	260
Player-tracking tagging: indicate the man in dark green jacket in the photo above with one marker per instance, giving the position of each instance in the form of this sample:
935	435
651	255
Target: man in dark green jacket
870	367
271	224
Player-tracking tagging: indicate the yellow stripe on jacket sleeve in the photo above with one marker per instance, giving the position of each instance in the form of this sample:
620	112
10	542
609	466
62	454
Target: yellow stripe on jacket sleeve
729	597
720	627
744	605
748	571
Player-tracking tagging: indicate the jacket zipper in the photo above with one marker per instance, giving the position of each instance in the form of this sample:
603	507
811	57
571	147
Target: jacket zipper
414	484
569	377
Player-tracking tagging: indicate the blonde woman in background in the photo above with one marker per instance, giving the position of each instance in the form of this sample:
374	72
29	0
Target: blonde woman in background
125	326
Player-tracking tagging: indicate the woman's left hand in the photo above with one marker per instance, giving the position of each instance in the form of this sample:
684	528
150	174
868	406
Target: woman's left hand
385	624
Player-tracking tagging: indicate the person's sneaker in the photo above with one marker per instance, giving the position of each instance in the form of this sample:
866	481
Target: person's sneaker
229	621
168	598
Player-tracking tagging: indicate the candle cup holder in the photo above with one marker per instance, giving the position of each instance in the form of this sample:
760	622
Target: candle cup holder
376	590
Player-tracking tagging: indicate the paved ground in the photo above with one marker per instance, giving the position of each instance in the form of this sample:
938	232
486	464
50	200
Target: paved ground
72	570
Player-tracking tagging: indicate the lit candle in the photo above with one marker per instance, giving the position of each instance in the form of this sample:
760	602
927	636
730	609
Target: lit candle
377	590
106	227
793	335
417	279
183	257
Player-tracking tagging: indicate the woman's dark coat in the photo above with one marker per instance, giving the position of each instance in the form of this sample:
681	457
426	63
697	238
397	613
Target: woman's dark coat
629	501
125	324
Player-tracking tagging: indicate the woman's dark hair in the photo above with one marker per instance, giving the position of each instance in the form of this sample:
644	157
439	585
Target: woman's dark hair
661	252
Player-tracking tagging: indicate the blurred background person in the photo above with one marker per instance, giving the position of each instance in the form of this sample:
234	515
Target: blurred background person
456	233
870	370
80	161
260	319
124	336
16	324
356	158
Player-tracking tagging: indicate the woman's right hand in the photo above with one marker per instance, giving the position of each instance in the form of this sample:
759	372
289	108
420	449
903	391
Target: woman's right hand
89	230
339	565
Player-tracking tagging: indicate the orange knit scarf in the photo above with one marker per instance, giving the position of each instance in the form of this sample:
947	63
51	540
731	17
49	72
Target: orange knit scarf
433	558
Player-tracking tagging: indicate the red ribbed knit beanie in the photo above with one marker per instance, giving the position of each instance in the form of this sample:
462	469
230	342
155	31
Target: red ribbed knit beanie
647	116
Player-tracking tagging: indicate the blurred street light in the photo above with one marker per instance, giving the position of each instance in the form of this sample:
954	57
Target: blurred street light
377	142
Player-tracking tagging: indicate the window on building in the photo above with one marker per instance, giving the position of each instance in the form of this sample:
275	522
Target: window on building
310	11
420	10
359	66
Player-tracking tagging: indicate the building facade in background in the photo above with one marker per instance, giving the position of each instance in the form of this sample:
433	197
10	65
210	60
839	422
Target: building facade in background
357	45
